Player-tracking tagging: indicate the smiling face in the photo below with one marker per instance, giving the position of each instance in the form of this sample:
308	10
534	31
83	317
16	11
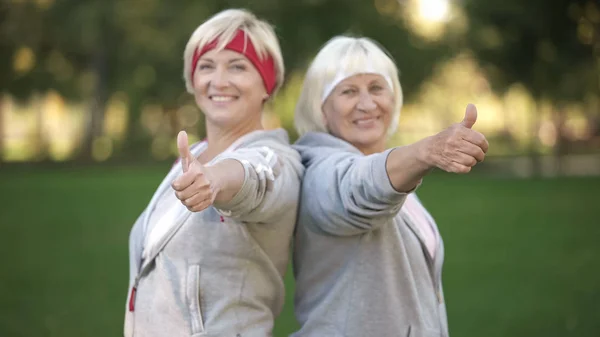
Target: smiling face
228	88
359	111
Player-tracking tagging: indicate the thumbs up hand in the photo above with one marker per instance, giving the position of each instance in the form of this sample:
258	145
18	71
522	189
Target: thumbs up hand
193	187
458	148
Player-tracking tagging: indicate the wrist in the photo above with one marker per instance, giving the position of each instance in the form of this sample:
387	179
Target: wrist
423	155
214	178
226	179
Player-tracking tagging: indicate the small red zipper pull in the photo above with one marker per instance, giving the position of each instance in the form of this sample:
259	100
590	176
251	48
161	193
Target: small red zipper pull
132	299
222	219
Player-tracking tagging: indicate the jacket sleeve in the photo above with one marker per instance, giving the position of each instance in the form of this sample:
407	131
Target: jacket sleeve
349	194
271	185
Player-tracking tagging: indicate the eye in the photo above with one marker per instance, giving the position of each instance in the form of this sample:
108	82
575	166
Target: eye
238	67
204	66
348	91
376	88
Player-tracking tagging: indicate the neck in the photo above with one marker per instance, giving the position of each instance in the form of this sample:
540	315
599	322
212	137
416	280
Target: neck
219	138
372	148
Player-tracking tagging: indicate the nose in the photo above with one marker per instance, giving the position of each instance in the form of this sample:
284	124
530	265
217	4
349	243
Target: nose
366	102
219	78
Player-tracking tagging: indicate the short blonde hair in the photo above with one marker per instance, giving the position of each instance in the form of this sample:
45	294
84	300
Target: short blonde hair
224	25
346	55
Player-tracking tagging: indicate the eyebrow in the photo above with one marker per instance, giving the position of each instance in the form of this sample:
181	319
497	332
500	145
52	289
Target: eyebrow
230	61
236	59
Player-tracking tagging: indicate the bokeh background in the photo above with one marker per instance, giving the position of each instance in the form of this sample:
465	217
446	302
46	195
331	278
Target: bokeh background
92	96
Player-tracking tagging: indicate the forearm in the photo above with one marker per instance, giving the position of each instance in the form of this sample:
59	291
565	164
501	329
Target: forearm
227	176
407	165
350	194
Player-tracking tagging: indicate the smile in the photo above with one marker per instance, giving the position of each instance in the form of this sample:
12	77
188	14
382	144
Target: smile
366	121
216	98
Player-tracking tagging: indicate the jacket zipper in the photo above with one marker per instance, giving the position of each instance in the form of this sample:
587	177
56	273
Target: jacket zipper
133	293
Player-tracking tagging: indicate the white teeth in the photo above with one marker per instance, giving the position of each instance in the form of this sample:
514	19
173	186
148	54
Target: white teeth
221	98
365	121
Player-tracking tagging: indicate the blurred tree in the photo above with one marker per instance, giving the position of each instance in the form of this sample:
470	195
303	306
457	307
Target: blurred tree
91	50
552	47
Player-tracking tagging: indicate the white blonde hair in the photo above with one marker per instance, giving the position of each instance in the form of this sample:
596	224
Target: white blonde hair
342	57
224	25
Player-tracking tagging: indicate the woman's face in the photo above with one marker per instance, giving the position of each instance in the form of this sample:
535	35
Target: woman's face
228	88
359	111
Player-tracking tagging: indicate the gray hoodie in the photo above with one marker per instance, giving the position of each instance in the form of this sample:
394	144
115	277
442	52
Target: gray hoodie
219	272
360	264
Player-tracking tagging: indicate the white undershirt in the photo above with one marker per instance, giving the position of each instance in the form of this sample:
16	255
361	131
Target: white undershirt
164	215
418	214
162	219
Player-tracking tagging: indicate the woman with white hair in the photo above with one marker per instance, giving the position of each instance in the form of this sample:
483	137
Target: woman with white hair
367	254
208	254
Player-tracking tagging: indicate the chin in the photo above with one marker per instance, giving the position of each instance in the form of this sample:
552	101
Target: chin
225	120
364	139
369	136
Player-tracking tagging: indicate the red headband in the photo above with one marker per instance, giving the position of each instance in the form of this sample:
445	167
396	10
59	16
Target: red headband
241	44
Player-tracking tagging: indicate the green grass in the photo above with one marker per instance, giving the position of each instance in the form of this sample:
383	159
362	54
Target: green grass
522	256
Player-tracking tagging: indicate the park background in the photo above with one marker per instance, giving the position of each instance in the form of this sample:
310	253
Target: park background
92	96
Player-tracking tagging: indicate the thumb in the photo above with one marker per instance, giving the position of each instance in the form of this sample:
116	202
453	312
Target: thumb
470	116
184	150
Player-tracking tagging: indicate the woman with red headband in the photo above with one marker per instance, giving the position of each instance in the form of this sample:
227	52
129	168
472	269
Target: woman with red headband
208	255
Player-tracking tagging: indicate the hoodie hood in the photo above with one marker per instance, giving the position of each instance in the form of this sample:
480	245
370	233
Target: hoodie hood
276	139
315	145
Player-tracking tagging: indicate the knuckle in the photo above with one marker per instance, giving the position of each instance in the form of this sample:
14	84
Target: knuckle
201	205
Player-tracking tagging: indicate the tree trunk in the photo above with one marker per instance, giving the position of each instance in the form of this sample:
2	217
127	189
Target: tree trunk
41	149
95	121
534	155
2	134
561	145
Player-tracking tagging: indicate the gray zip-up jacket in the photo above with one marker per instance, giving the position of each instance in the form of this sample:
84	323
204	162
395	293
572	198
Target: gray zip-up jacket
361	265
219	272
